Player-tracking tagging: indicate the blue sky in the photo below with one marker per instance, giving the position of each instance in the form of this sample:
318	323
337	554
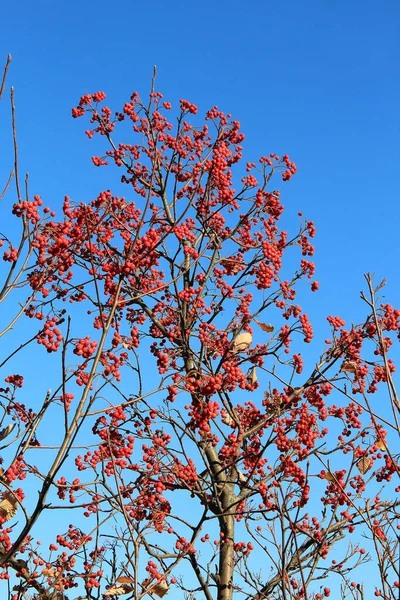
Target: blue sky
318	80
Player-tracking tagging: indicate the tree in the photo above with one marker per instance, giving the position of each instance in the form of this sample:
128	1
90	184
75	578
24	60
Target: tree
210	457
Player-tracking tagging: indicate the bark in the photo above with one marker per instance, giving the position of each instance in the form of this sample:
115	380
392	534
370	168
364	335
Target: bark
227	527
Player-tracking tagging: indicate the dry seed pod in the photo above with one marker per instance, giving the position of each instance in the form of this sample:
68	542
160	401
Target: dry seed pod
242	341
8	505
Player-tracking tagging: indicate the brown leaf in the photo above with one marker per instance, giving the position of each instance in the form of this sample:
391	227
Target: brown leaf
22	564
381	444
124	579
6	431
228	420
329	477
252	375
160	589
349	366
265	326
118	590
8	505
364	464
242	341
241	477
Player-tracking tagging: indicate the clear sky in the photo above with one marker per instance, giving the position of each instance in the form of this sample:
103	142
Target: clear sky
316	79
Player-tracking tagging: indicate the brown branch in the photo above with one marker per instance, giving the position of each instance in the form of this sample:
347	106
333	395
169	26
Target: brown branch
14	129
3	83
4	192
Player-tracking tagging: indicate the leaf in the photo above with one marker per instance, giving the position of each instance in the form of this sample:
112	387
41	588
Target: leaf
329	477
160	589
6	431
228	420
118	590
364	464
242	341
124	579
20	563
265	326
241	477
8	505
349	366
381	444
252	375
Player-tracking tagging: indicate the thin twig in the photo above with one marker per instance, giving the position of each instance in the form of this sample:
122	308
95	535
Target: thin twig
14	129
3	83
4	192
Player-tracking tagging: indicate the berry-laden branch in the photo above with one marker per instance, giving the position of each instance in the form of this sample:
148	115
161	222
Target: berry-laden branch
189	438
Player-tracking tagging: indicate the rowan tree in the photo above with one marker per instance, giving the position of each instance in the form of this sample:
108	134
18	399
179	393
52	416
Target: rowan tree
187	443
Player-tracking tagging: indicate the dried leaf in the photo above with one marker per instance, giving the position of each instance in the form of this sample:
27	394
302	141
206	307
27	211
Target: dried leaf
241	477
349	366
118	590
228	420
265	326
329	477
381	444
160	589
124	579
6	431
252	375
242	341
8	505
20	563
364	464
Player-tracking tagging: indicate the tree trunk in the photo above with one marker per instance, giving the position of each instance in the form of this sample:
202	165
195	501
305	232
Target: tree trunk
227	527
